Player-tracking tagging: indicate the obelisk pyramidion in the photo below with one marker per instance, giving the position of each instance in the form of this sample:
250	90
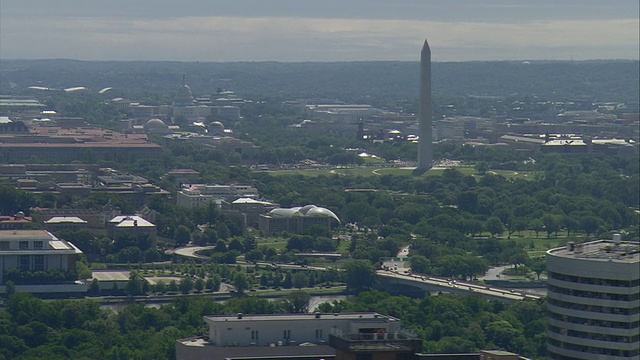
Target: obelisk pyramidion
425	117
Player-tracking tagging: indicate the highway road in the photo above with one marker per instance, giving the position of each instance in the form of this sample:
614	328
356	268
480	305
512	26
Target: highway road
395	270
458	286
191	251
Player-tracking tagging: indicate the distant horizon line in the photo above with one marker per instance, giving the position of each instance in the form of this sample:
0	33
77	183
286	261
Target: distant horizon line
326	62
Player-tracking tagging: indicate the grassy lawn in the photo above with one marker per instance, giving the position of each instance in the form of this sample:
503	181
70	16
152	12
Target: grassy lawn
277	243
541	244
509	174
343	246
303	172
379	171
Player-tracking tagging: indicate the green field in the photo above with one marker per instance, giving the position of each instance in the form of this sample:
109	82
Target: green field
379	171
538	246
277	243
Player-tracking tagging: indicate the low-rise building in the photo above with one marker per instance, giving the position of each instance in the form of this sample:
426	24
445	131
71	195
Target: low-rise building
19	106
342	336
95	219
61	145
522	142
131	225
72	223
35	250
297	219
246	211
202	194
136	194
15	222
10	174
282	335
183	176
345	113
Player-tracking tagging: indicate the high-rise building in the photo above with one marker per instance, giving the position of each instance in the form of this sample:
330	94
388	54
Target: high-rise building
593	305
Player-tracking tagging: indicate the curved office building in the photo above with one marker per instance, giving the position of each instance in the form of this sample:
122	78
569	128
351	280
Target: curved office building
593	305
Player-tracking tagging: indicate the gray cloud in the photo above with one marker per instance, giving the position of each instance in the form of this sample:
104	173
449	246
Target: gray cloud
294	30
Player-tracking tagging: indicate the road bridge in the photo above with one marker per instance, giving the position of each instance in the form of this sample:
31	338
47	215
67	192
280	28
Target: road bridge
401	278
391	279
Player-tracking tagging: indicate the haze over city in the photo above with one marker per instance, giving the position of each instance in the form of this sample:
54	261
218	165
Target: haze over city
327	179
288	30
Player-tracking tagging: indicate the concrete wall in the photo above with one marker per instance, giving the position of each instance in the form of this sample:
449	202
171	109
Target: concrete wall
78	287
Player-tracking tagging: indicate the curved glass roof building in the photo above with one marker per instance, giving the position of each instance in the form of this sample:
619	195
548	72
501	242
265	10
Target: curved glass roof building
297	219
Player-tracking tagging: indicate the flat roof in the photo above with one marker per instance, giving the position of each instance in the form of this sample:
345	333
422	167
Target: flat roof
65	220
624	251
26	234
130	221
153	280
565	142
14	220
289	317
56	246
196	349
183	171
522	139
250	201
110	275
59	245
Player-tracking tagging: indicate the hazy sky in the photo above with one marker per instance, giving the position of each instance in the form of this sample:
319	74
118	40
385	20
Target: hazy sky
319	30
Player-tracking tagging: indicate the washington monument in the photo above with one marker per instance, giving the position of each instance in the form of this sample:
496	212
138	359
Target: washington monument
425	118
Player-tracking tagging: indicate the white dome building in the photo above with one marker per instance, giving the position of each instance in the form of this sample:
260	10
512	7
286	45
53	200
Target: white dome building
155	126
215	128
297	219
184	96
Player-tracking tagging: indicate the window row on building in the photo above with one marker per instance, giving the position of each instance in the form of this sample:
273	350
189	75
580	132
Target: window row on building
34	251
26	245
593	281
593	322
591	350
31	262
593	336
593	294
593	308
23	245
593	300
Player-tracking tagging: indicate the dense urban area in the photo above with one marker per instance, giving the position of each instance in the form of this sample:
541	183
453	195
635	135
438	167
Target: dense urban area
138	200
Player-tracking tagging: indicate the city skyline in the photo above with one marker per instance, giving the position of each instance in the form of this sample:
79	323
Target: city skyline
291	31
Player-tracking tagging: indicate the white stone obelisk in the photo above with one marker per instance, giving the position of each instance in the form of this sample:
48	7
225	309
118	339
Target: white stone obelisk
425	116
